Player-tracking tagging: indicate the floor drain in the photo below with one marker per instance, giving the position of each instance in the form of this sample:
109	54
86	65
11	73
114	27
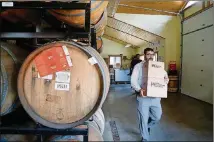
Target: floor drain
114	131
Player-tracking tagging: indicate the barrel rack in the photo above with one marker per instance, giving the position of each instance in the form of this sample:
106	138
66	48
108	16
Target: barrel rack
65	32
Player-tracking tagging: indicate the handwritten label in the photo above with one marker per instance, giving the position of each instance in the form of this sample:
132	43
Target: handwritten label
52	98
63	77
59	114
156	84
62	86
156	66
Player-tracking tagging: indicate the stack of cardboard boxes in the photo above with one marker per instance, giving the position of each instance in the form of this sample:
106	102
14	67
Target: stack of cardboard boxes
153	79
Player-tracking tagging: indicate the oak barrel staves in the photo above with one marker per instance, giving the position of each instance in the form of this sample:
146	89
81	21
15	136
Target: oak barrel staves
99	120
11	59
99	44
93	135
76	18
61	109
101	24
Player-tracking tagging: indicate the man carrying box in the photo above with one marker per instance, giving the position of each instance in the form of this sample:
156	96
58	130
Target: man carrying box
150	81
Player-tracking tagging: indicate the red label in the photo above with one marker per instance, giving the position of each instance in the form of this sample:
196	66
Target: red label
51	61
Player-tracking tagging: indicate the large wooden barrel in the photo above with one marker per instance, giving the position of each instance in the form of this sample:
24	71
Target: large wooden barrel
21	15
99	120
76	18
173	84
93	135
11	60
76	86
84	42
100	25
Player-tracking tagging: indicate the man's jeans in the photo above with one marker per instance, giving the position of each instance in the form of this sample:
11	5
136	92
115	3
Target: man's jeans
149	113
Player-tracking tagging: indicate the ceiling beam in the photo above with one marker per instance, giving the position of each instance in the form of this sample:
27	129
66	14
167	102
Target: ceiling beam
185	9
118	40
183	6
137	28
150	9
129	34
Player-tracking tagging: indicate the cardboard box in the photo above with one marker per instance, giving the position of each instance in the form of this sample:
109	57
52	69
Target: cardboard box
155	87
153	69
153	79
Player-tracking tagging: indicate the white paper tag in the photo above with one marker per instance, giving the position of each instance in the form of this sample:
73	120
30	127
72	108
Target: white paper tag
92	60
62	86
65	50
69	61
49	77
63	77
7	4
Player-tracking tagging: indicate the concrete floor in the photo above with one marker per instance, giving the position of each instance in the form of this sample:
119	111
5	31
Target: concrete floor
183	119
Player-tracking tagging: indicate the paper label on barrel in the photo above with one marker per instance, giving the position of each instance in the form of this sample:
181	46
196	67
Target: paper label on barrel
48	77
67	55
62	86
51	60
92	60
63	77
7	4
69	61
65	50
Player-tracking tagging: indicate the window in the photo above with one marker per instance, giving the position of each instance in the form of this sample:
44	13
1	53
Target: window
115	61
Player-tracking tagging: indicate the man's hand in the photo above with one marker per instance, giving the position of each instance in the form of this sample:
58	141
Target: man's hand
142	92
166	79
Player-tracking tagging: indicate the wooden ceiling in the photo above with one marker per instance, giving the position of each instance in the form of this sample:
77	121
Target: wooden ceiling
128	34
151	7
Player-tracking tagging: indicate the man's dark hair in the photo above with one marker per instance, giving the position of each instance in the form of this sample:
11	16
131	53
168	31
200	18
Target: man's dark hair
137	55
147	49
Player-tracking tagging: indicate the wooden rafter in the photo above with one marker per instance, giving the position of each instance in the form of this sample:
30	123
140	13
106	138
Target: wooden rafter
171	8
118	41
130	34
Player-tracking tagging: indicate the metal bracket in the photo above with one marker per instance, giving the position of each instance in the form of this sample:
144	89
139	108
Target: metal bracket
42	130
71	31
93	38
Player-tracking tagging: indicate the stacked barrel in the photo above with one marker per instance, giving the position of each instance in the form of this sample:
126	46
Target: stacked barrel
11	60
76	18
61	84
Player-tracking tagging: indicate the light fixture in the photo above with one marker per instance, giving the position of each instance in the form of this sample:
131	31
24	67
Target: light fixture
128	45
190	3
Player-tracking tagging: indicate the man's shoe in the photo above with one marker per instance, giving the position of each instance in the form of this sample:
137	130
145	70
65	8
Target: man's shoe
143	140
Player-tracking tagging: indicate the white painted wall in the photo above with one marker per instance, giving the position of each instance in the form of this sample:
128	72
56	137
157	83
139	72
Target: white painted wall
197	68
113	48
168	27
151	23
